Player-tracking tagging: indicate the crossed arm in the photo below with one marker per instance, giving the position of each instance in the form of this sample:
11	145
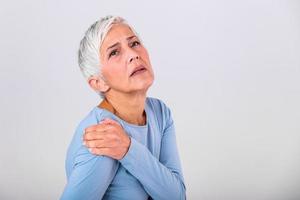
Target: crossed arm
94	168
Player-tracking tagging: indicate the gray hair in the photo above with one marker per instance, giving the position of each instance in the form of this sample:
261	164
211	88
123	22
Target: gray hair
89	49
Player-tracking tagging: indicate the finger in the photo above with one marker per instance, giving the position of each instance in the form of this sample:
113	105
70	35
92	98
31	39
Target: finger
104	130
100	151
111	121
105	120
97	126
91	128
99	144
95	135
109	136
100	128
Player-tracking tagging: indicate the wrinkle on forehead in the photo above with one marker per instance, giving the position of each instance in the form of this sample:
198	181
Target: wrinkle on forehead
117	33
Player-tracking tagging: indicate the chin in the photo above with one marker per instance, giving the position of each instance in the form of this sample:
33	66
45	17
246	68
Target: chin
148	83
143	86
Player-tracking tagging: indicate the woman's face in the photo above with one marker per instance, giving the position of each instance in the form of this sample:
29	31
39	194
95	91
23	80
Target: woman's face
126	67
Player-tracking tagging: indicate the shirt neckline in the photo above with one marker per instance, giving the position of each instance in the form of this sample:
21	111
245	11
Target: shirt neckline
123	121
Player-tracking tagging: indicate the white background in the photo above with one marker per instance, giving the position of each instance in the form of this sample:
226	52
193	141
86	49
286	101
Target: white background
229	71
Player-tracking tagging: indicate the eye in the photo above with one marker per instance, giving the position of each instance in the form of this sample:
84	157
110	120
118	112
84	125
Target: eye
113	53
135	43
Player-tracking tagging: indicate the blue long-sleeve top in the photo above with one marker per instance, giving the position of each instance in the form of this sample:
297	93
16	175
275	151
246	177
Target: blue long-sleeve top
150	169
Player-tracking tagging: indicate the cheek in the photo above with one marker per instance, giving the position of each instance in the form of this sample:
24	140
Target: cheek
114	72
147	59
145	55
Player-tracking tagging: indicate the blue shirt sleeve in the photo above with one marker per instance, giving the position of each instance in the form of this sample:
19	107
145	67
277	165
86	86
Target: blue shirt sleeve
162	178
88	175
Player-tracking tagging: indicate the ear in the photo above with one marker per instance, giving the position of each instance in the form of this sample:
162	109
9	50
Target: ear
98	84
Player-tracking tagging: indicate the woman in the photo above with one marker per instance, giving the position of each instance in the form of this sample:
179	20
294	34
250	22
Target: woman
125	148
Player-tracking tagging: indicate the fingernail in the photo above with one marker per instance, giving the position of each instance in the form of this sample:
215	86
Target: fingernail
84	143
103	120
91	150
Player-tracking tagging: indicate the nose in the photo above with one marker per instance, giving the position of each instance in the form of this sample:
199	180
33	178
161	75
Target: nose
134	57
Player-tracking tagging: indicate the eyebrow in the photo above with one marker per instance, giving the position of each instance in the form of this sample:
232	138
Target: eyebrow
116	44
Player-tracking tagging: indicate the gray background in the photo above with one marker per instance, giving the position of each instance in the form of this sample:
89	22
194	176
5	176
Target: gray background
229	71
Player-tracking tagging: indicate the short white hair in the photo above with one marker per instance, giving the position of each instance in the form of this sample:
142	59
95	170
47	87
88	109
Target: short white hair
89	49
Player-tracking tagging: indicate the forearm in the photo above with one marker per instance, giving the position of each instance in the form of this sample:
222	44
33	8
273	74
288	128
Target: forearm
90	178
159	181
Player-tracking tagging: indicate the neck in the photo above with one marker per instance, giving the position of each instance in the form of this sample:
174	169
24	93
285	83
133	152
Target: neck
130	108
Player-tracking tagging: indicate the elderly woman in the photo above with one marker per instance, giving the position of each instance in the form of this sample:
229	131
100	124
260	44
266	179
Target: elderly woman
125	148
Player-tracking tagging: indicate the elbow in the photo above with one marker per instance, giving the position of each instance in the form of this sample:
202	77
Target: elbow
182	191
179	192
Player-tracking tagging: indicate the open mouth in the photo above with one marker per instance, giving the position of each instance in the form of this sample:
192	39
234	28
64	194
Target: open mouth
138	70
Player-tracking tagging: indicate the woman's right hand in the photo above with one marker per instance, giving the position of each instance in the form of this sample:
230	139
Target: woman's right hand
107	138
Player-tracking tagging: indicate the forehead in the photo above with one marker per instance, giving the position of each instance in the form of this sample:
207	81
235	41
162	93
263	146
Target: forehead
117	33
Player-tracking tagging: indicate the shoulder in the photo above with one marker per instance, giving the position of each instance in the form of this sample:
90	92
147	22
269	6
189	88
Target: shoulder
158	105
92	118
75	146
161	112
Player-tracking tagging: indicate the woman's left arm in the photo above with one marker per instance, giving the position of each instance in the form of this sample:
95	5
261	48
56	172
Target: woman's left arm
163	178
